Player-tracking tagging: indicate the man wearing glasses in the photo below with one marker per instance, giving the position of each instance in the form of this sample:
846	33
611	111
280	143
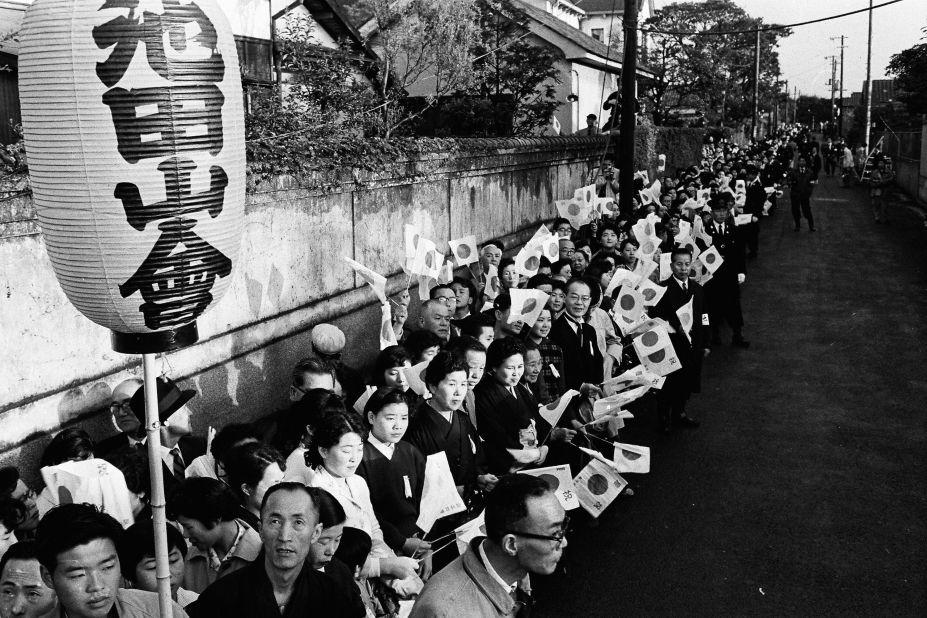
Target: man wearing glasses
130	428
525	533
582	360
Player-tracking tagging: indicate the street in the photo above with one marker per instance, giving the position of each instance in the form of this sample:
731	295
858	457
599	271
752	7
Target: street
804	492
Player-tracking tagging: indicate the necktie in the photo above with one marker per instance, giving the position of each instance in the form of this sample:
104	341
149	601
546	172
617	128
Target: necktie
685	288
721	229
178	468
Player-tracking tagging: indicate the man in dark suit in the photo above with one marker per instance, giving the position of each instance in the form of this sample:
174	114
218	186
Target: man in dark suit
178	447
582	360
722	293
689	349
130	428
753	206
801	183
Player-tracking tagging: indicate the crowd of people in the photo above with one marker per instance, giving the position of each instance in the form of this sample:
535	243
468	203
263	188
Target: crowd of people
315	509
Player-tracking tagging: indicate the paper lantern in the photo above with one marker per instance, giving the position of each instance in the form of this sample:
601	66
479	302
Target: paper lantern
134	129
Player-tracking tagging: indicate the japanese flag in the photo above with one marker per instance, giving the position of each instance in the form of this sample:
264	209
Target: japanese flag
685	230
528	260
464	250
426	260
631	458
702	196
556	124
630	303
711	259
622	399
643	175
492	288
574	211
363	399
661	165
560	481
550	248
527	305
415	376
743	219
645	267
686	319
662	362
656	190
377	281
411	235
541	233
690	205
439	493
740	186
586	196
597	486
469	531
604	205
424	286
693	246
646	324
554	410
651	292
646	197
387	335
665	266
651	341
619	278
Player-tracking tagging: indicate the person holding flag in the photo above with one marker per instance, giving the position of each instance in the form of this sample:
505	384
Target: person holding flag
682	306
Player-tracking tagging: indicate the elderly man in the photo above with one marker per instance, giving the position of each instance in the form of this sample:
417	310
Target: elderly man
328	343
582	359
280	582
23	594
436	317
130	429
525	533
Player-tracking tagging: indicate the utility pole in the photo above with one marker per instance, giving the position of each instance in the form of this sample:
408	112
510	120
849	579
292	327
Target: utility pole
833	85
628	105
795	108
842	46
756	85
868	92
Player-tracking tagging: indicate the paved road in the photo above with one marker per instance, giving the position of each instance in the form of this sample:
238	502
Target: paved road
804	493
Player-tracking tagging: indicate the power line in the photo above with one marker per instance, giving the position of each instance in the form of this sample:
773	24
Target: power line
769	27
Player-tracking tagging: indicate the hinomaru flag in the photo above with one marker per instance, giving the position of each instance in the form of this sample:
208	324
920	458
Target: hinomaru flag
464	250
651	292
541	233
620	277
711	259
662	362
631	458
693	247
603	205
493	287
629	303
743	219
387	334
661	162
411	235
363	399
650	341
685	230
415	377
645	267
574	211
376	281
597	486
91	481
560	481
702	196
527	305
469	531
586	195
439	493
555	124
666	269
428	260
606	405
550	247
554	410
528	260
686	319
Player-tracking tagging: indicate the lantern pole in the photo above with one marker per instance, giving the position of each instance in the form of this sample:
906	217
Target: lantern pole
155	469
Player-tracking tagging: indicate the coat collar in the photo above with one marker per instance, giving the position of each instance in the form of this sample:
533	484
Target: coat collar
488	586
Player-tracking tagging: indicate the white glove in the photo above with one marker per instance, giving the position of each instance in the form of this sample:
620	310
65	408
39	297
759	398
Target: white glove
741	278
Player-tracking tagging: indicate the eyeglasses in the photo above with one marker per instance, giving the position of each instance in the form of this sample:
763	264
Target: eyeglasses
568	252
557	538
116	406
576	297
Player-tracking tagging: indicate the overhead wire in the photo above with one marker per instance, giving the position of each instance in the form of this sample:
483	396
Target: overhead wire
767	27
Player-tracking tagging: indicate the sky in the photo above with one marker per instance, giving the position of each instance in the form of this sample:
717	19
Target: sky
802	56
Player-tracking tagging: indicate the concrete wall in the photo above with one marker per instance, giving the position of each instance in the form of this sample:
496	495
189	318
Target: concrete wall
910	162
58	368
